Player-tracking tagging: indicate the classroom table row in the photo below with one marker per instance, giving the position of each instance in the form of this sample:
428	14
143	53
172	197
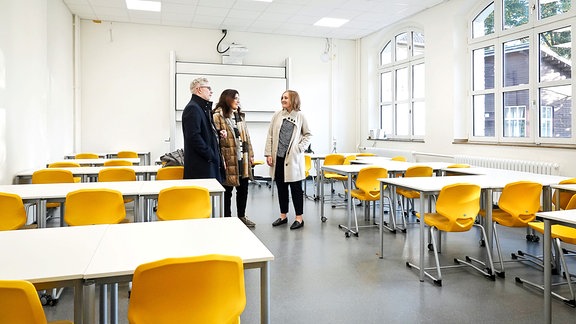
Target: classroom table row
143	156
90	173
99	161
140	191
83	256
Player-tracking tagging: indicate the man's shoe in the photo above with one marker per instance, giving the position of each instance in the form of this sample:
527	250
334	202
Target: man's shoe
247	222
297	225
280	221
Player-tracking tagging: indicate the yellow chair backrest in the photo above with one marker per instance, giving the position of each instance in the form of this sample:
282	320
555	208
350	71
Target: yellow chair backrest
458	166
521	200
398	158
117	162
367	181
116	174
200	289
127	155
52	176
307	164
86	156
348	159
334	159
419	171
365	154
170	173
460	204
572	203
565	196
183	202
12	213
64	164
20	303
94	206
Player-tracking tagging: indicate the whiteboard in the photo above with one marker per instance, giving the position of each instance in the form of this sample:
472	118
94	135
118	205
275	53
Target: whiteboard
259	88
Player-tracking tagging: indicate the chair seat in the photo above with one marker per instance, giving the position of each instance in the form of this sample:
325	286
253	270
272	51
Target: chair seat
359	194
564	233
503	218
444	224
410	194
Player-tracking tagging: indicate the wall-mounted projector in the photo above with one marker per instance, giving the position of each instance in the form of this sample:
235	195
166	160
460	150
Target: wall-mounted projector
235	54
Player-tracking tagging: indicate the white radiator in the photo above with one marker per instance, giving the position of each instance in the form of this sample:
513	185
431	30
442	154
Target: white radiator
540	167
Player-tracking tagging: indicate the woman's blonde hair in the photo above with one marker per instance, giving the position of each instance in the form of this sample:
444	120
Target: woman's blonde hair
294	99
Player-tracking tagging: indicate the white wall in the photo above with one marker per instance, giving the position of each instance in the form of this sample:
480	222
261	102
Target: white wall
445	27
125	81
35	84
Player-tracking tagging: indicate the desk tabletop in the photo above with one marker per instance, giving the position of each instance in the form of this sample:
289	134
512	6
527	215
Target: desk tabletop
97	161
93	170
567	217
394	166
125	246
154	187
66	253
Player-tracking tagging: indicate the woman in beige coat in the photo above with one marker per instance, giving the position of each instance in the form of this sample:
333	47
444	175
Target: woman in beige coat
236	150
288	137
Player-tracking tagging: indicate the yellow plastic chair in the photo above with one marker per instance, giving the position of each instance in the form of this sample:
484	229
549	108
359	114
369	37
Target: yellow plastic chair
517	206
13	213
332	159
94	206
117	162
20	304
52	176
127	155
456	166
342	178
398	158
367	190
66	164
170	173
307	168
407	196
565	196
117	174
258	180
183	202
200	289
365	154
86	156
560	234
456	210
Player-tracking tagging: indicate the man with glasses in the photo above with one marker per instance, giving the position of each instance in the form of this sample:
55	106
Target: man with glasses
201	148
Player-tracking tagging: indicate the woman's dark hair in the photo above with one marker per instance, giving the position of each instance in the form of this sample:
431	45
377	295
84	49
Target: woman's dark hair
225	102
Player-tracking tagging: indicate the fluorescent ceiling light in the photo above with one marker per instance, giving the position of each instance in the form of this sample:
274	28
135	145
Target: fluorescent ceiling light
331	22
144	5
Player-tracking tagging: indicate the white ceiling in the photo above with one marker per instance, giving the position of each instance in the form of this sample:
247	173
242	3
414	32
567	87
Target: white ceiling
286	17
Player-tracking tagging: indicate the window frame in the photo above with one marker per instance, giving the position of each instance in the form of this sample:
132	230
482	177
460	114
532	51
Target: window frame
532	29
408	63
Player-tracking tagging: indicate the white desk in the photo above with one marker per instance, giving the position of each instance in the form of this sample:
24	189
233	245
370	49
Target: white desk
91	172
428	186
151	189
393	168
125	246
56	192
564	217
142	155
63	261
316	161
97	162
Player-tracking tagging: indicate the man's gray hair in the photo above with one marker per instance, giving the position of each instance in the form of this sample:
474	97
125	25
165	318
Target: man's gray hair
197	83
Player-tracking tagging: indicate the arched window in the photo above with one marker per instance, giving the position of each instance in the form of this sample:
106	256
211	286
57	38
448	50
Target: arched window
521	72
402	106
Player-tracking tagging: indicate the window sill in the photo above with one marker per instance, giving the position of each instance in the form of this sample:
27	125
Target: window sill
543	145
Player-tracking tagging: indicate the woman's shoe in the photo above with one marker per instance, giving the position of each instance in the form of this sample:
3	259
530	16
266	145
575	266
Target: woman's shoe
297	225
280	221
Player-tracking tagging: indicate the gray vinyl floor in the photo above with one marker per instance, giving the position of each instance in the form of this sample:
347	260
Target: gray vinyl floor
320	276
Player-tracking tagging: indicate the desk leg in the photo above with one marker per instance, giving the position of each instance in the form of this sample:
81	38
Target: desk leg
265	293
349	206
222	203
78	302
423	199
41	213
318	180
114	303
88	314
103	301
489	226
138	210
321	195
381	225
547	272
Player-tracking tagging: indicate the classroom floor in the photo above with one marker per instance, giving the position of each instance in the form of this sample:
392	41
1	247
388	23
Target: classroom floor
319	276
